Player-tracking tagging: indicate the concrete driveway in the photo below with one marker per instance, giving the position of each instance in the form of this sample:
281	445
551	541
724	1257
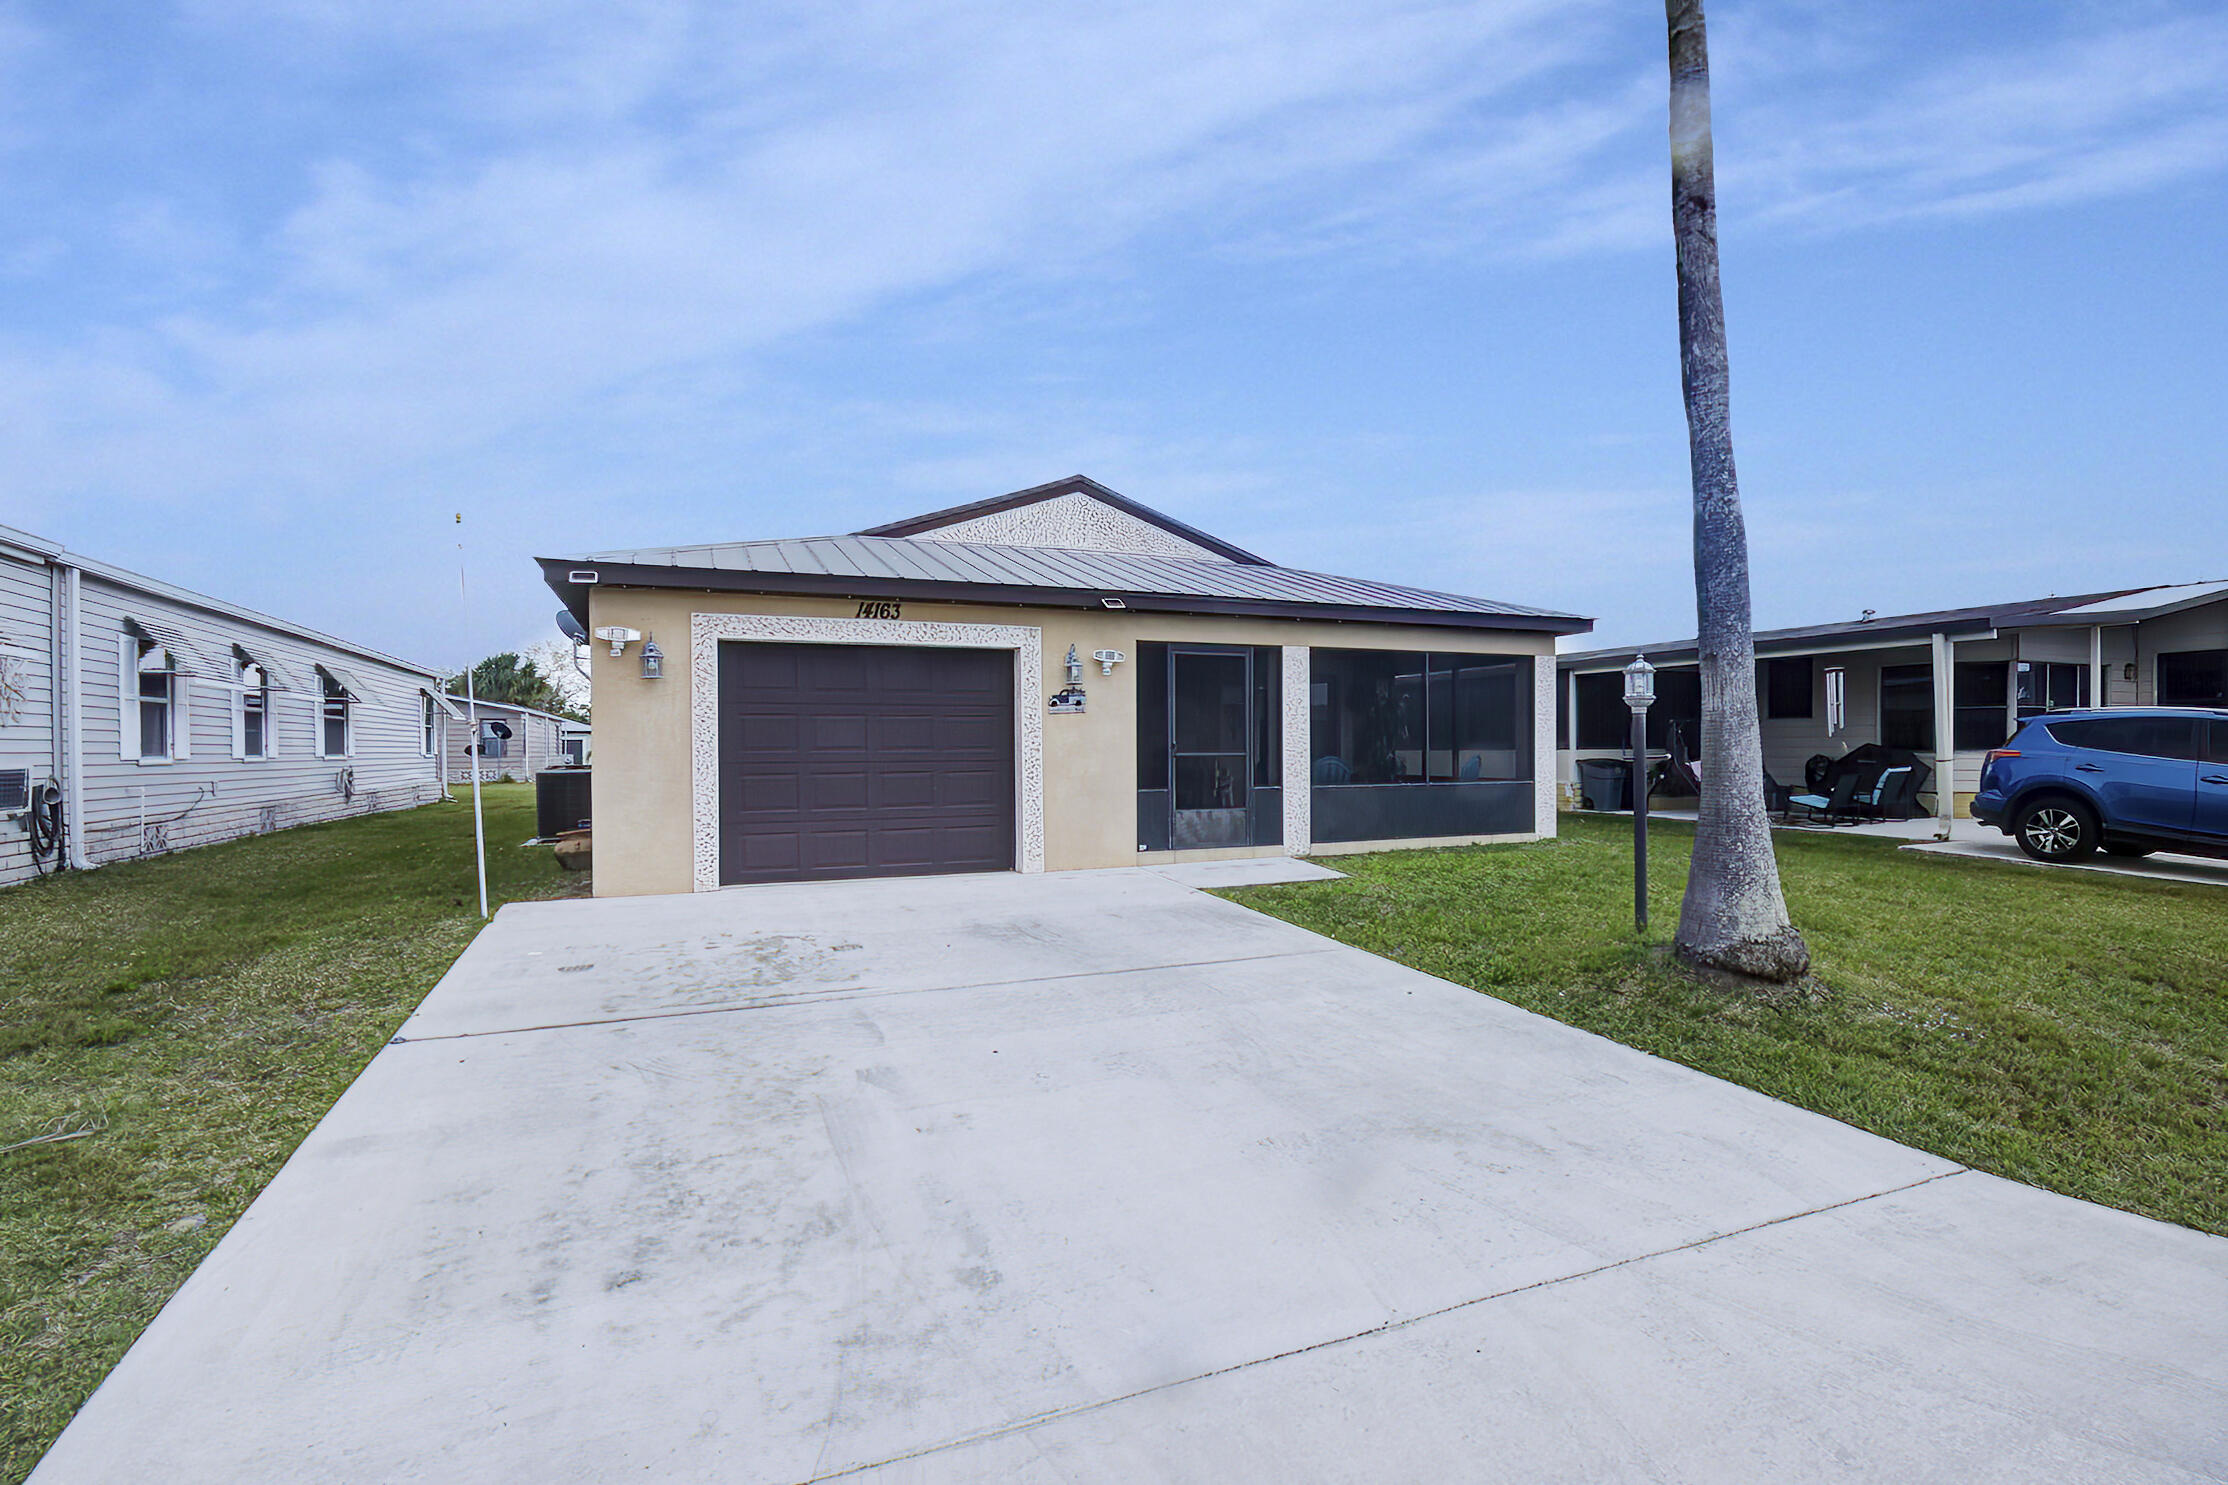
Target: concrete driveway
1095	1177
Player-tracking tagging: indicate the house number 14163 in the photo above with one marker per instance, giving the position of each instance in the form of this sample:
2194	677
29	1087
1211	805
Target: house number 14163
878	608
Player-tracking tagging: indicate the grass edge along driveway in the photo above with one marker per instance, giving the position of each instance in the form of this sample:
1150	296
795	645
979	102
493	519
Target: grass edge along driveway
203	1011
2065	1029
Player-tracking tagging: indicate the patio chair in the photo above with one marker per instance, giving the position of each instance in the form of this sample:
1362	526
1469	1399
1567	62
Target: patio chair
1835	808
1680	774
1818	774
1684	768
1330	769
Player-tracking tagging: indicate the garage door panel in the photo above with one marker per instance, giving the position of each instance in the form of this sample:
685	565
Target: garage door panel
908	788
962	788
905	734
760	733
836	850
971	735
762	793
840	760
828	790
839	734
770	668
779	851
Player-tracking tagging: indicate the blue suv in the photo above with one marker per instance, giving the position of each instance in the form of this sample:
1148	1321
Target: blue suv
2131	780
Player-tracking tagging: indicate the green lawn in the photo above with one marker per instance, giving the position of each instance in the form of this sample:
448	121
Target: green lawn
2065	1029
206	1009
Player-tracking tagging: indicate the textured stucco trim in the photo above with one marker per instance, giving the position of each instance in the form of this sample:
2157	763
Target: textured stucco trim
1544	761
1072	522
708	631
1299	778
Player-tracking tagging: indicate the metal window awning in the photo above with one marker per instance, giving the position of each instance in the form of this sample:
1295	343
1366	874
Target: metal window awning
447	703
186	657
274	678
338	682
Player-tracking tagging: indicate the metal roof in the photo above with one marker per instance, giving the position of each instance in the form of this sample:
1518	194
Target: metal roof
2146	603
963	571
2115	606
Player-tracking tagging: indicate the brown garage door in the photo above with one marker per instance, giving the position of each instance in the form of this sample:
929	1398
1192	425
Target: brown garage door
863	761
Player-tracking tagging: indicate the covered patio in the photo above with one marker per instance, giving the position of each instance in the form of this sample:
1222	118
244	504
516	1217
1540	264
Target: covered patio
1947	686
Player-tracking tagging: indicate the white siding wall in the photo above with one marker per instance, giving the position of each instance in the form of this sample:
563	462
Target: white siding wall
27	724
533	746
136	808
2203	628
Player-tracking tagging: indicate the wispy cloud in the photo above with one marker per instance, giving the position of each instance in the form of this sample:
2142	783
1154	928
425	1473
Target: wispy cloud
2074	117
413	247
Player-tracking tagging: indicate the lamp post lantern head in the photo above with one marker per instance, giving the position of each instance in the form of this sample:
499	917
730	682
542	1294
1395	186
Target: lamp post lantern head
1640	684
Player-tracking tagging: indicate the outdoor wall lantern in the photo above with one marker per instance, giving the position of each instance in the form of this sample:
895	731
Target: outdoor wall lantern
653	661
1075	668
2129	673
1640	694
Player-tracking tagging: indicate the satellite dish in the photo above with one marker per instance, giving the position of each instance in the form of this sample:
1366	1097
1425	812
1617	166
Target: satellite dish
571	627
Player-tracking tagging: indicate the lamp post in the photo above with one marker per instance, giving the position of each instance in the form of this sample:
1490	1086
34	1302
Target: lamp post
1640	693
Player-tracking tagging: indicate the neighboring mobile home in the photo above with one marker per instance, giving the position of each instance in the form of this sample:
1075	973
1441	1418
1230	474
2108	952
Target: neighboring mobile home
514	742
1948	685
137	717
1052	679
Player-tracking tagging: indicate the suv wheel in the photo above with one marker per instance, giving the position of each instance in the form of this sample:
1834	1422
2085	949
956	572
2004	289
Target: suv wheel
2057	830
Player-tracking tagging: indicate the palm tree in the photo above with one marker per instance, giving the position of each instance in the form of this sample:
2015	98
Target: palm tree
1735	916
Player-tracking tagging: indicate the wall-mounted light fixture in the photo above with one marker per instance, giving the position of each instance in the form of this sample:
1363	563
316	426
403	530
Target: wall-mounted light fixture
1107	660
1075	667
653	661
618	637
2129	673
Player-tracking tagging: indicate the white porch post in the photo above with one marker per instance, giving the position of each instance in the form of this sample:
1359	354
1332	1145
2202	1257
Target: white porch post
2096	665
1945	735
1571	737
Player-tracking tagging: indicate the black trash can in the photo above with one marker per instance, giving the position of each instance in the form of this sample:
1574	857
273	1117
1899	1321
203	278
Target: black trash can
560	801
1605	783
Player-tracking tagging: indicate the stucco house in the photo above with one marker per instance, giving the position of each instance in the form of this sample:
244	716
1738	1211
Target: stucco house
1054	679
1948	685
138	717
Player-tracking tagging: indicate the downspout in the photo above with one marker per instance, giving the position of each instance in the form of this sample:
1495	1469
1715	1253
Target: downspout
2096	665
69	681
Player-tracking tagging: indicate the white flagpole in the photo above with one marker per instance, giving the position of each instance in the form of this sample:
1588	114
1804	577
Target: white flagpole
472	730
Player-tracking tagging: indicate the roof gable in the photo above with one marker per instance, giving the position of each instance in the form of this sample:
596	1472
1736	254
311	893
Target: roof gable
1077	514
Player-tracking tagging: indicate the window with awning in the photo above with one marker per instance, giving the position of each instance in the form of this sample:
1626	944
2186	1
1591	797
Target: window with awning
181	655
334	707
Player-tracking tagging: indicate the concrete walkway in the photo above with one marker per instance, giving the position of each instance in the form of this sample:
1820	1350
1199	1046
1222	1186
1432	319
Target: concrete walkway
1092	1177
2164	867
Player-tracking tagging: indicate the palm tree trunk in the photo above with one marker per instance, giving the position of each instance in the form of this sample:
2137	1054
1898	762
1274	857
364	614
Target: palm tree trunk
1734	917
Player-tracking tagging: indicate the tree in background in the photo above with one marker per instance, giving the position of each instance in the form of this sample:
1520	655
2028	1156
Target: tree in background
1735	915
513	678
560	662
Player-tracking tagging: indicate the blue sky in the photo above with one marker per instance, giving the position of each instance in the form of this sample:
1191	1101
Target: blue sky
1382	289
